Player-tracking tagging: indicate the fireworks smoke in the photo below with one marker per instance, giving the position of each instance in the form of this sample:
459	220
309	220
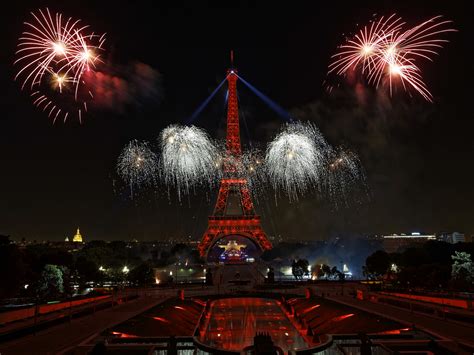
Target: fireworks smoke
387	54
296	159
132	86
188	157
138	165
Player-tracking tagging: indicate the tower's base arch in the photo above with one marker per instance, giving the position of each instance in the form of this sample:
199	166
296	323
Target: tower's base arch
233	248
248	227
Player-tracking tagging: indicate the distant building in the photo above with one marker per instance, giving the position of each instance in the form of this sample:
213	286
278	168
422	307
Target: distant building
396	242
453	238
78	237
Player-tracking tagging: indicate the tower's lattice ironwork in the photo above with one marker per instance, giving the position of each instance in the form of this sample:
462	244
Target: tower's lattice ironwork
233	187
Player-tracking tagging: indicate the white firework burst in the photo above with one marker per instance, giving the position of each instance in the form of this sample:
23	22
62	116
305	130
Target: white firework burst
188	158
296	159
138	165
253	170
346	176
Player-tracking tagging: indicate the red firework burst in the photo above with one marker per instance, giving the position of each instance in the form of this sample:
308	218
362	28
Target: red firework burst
53	53
384	50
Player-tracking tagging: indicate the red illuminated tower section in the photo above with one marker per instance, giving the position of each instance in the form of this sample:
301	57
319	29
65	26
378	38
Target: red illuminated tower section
234	213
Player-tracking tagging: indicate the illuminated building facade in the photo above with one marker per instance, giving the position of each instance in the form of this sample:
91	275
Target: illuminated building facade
453	238
77	237
396	242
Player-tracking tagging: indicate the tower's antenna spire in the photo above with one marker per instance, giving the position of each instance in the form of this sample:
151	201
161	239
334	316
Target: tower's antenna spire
231	58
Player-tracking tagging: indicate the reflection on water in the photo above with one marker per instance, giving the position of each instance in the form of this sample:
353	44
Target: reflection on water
235	321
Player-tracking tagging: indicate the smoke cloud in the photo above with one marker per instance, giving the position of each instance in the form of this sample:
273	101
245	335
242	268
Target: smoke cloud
132	86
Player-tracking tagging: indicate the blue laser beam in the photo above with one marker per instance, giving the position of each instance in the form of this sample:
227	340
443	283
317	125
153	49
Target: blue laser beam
201	107
272	104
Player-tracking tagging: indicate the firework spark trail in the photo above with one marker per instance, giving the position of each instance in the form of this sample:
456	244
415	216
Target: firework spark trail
295	160
401	49
345	175
252	168
385	50
138	165
54	53
188	158
84	58
364	47
421	40
47	42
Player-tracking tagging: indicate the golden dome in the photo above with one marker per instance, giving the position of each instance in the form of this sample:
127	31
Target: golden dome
78	237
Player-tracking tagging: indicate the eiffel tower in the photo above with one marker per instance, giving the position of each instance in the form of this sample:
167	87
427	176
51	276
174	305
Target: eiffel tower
234	213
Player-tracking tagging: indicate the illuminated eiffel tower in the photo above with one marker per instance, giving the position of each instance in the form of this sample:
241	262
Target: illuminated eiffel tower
234	213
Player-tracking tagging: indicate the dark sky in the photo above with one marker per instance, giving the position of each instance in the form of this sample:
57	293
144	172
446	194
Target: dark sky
418	156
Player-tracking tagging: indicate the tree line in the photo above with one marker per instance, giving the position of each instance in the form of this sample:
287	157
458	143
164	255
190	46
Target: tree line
48	273
435	265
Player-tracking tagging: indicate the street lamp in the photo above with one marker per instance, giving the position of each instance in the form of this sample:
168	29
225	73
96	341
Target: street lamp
410	300
442	301
125	269
176	273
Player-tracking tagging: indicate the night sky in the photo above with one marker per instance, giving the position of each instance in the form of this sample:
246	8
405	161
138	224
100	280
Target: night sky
418	156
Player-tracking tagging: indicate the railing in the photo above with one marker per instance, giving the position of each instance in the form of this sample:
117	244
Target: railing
24	313
464	304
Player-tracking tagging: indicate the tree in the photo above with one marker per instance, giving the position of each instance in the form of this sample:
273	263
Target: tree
180	252
50	284
318	271
294	270
270	275
377	264
463	267
326	270
143	274
299	268
87	269
57	257
335	273
304	265
12	268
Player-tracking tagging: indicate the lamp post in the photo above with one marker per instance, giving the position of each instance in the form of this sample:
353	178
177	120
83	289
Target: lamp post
409	291
125	271
176	272
442	302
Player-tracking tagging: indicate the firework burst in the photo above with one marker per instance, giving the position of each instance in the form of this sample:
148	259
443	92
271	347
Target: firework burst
362	50
188	157
295	160
252	168
53	55
345	175
383	50
138	165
